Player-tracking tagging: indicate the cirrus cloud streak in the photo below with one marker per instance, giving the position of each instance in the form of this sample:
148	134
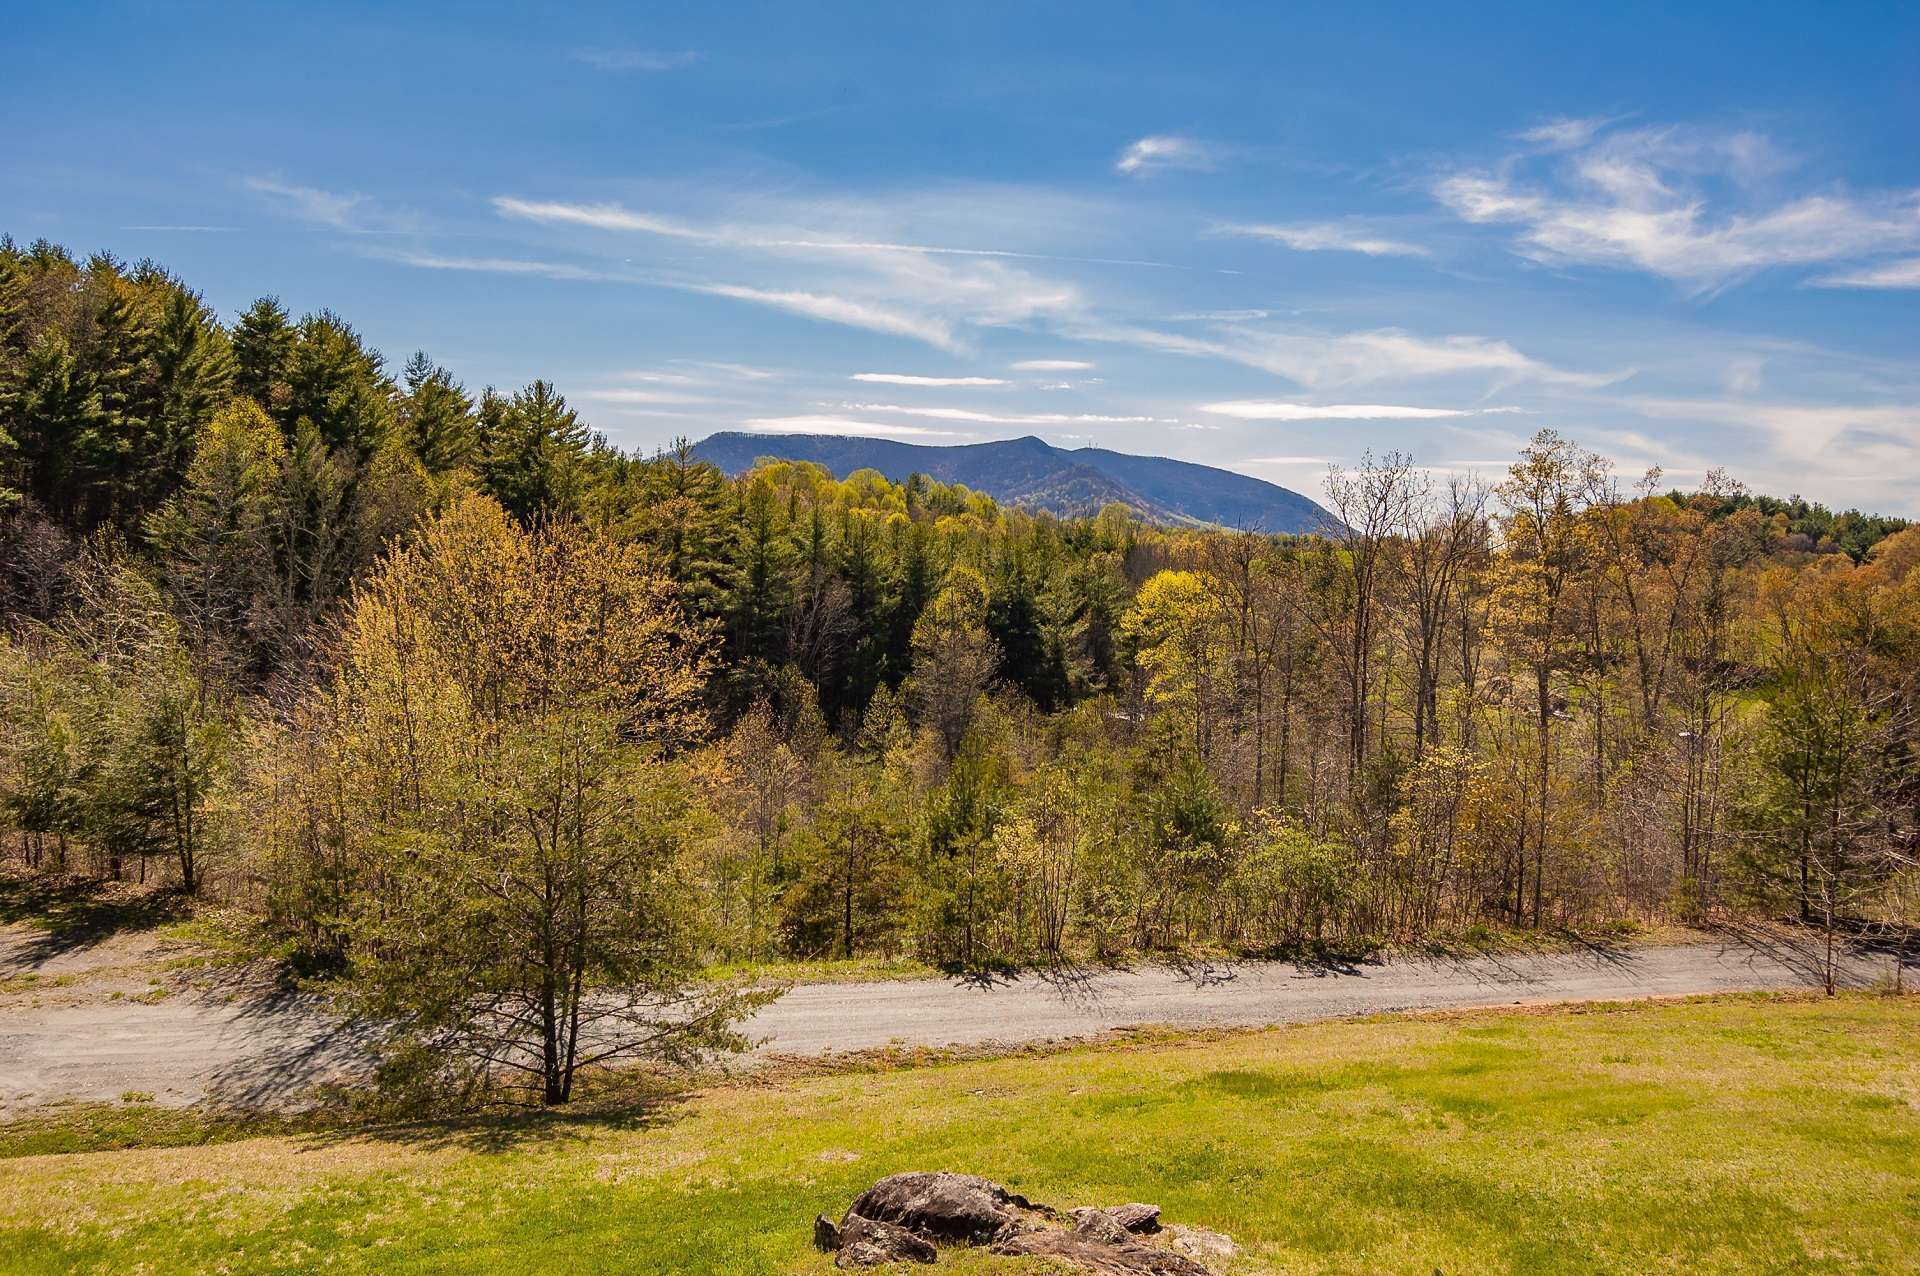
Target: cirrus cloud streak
1321	237
1262	410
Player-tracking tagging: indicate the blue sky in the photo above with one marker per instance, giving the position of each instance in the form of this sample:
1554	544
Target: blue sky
1266	237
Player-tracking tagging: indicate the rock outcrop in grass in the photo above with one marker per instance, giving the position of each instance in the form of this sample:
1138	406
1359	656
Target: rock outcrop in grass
906	1217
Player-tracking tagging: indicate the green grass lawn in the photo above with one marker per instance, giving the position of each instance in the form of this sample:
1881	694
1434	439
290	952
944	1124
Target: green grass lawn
1743	1134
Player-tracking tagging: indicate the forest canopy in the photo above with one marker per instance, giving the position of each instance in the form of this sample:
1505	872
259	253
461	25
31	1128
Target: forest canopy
514	732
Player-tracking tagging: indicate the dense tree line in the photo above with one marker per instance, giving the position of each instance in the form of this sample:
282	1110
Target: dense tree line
469	703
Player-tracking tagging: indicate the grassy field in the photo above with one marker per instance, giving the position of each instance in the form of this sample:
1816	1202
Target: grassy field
1744	1134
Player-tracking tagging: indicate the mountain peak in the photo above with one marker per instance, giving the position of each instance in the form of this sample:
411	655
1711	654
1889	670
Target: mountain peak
1030	472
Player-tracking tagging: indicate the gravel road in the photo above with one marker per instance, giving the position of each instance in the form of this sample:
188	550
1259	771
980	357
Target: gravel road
190	1046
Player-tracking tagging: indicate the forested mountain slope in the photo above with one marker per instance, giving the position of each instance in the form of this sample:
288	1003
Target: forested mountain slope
1033	473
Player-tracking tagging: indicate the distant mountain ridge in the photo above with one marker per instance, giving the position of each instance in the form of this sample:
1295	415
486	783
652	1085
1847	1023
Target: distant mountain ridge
1031	472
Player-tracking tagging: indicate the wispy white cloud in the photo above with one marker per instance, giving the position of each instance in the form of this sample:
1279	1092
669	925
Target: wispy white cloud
635	59
904	287
1323	359
1801	432
1645	199
631	396
738	371
837	425
1848	454
501	266
180	229
1389	353
1322	237
618	217
1565	133
1892	274
1263	410
661	378
995	418
598	216
1220	316
929	292
310	203
841	310
1164	151
903	378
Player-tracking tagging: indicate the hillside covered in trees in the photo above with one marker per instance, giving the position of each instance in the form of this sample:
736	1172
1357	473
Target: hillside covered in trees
1035	475
485	717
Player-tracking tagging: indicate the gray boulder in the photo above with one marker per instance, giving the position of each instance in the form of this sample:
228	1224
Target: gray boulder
1117	1222
1099	1225
866	1242
1142	1220
901	1218
960	1208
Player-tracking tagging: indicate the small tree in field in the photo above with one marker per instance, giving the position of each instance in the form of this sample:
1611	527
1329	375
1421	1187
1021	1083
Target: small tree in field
522	903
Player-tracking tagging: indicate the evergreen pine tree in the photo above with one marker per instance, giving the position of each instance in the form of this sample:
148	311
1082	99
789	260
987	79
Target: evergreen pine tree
335	382
916	579
534	450
117	362
860	570
687	516
1014	618
263	342
436	416
58	409
762	597
314	528
193	364
215	538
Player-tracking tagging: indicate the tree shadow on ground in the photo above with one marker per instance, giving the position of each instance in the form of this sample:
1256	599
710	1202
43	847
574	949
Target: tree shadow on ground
299	1049
1602	948
985	977
1801	948
1078	983
1503	961
1008	973
70	913
1075	982
1890	942
1203	972
1312	960
505	1129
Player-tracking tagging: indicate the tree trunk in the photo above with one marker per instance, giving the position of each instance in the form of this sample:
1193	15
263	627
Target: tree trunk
1827	917
1544	687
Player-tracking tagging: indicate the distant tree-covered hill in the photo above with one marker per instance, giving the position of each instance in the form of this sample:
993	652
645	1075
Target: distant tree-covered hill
1037	475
